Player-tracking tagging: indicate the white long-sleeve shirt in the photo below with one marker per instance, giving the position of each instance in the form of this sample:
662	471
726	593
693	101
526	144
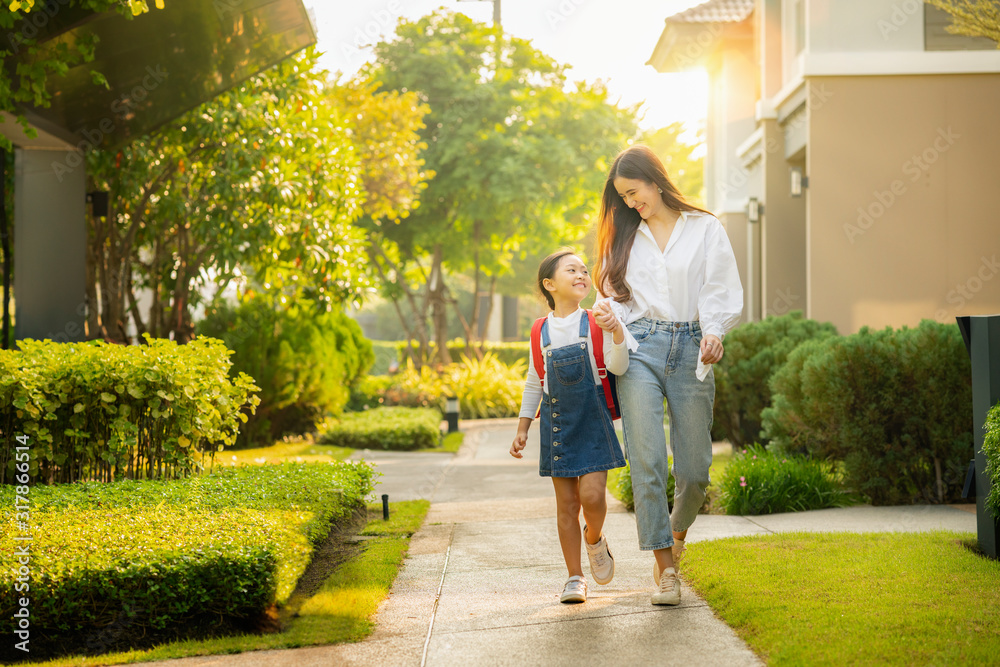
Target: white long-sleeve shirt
694	279
566	331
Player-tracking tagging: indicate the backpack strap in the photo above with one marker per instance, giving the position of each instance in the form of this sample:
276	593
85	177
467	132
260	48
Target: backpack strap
597	340
536	354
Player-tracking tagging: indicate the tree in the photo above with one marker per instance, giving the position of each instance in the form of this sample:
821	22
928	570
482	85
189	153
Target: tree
26	66
517	155
259	184
975	18
686	171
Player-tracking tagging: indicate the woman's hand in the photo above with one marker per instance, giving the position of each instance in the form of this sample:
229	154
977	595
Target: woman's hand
604	317
711	349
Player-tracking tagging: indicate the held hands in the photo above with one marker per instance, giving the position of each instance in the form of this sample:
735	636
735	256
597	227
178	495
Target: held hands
520	441
711	349
605	318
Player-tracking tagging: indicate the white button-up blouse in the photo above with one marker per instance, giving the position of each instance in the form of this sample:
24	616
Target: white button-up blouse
694	279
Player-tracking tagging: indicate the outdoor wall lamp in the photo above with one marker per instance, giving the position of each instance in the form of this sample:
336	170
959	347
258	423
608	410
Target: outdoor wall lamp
798	181
754	210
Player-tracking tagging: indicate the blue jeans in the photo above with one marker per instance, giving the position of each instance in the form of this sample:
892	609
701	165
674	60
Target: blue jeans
664	367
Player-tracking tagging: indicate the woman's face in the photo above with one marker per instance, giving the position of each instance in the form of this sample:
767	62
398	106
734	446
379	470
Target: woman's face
640	195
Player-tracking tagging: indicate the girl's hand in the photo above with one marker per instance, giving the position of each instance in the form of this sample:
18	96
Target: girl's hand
520	441
711	349
604	317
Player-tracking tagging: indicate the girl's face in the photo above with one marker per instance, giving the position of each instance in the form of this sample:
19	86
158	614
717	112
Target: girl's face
640	195
570	280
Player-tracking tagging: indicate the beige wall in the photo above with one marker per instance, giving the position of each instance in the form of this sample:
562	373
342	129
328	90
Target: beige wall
918	156
736	228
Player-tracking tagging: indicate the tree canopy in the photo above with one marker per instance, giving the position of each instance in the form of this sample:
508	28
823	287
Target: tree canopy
518	156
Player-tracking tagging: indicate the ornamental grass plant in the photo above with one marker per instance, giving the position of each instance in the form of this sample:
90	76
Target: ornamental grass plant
760	482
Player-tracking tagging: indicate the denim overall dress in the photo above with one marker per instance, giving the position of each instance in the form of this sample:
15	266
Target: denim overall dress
577	432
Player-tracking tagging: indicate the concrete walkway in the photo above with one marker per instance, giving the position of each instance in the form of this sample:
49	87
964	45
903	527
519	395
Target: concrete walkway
481	582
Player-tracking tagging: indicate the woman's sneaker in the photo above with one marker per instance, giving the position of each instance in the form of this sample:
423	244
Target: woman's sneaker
602	563
678	551
670	588
575	590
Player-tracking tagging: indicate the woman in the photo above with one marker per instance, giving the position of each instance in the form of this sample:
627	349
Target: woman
666	270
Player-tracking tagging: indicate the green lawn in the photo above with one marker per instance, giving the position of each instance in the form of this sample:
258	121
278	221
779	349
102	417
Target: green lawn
877	598
340	611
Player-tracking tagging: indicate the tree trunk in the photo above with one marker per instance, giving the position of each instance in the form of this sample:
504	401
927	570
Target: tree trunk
439	304
180	319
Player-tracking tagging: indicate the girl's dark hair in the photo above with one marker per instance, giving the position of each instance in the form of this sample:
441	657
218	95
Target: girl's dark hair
618	223
547	269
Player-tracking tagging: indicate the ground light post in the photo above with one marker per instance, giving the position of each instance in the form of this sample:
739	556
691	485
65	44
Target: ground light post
982	339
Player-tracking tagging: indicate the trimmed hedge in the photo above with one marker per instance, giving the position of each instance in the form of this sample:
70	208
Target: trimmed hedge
393	428
754	353
115	565
894	406
94	410
304	361
991	447
508	353
760	482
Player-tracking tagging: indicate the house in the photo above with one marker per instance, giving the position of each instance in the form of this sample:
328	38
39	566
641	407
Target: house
851	149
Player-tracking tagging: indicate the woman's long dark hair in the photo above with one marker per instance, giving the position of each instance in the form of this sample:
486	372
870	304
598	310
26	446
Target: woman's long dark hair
618	223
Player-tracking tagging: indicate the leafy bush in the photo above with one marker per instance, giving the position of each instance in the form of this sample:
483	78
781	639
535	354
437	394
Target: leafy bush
369	392
624	485
760	482
894	406
485	388
991	447
508	353
754	352
395	428
94	410
305	363
116	565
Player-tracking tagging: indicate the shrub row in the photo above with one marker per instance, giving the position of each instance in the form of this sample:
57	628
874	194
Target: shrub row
304	361
754	353
395	428
485	387
129	563
991	447
894	406
760	482
508	353
94	410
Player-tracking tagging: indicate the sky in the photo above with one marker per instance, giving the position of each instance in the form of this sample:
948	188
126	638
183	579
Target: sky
598	39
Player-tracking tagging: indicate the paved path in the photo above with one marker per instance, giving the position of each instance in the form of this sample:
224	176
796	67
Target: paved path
489	546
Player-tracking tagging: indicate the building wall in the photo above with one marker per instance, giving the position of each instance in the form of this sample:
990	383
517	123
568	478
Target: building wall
903	211
865	25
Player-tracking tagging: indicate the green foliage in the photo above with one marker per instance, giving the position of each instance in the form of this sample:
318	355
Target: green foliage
485	388
760	482
991	448
894	406
93	410
754	352
305	362
395	428
623	484
507	352
116	565
369	391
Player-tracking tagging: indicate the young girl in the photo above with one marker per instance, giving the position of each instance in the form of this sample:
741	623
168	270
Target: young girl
578	440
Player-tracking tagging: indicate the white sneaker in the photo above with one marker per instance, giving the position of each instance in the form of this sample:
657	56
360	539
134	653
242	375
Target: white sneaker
602	563
575	590
670	588
678	551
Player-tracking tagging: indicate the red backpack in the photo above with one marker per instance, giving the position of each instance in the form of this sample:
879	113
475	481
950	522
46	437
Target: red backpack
597	341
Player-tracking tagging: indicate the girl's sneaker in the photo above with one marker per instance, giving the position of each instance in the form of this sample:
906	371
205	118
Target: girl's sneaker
669	588
602	563
575	590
